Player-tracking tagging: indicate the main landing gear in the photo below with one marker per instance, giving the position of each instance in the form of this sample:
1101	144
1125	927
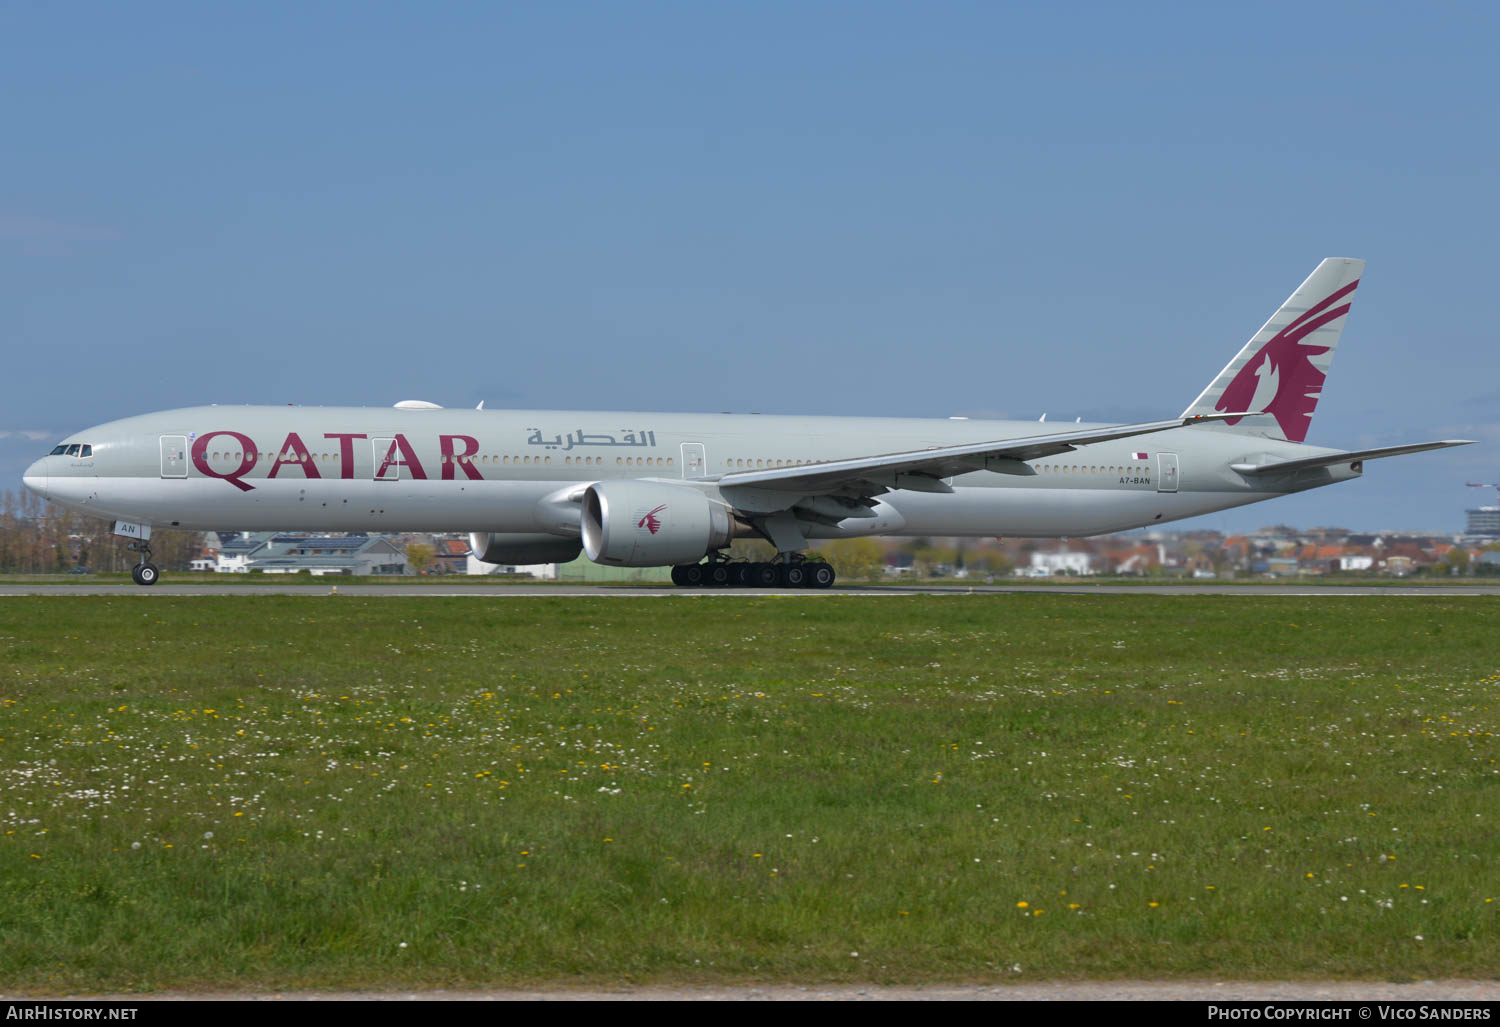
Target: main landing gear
793	573
144	572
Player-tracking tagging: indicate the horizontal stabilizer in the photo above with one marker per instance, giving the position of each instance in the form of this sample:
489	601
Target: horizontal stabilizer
1330	459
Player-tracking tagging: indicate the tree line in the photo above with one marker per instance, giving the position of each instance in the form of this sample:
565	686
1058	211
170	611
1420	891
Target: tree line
38	537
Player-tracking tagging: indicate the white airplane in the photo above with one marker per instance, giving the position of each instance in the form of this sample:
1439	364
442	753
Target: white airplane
642	490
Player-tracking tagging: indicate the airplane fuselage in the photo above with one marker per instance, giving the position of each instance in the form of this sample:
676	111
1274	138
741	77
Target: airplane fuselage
394	469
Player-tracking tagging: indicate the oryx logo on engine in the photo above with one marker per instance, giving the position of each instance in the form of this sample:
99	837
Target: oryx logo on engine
650	522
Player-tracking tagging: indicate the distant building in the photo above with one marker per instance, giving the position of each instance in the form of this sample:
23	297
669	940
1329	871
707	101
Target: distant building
1484	522
268	553
584	569
238	552
1046	564
336	554
541	571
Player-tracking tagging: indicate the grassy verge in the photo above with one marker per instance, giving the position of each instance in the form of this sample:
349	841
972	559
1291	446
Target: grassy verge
321	791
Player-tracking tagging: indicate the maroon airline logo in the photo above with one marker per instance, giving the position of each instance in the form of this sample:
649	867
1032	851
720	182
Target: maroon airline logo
456	453
650	522
1280	379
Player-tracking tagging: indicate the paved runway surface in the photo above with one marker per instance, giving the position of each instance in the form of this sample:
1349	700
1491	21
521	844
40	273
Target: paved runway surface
437	587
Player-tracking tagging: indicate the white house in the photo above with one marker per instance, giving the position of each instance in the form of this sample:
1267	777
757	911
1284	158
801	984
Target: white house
1044	564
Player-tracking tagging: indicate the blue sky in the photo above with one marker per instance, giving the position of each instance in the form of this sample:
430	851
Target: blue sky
837	208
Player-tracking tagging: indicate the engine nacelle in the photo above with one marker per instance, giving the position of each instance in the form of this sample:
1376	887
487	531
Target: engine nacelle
648	524
522	549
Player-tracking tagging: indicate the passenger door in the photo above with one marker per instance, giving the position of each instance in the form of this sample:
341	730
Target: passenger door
388	461
1166	472
174	456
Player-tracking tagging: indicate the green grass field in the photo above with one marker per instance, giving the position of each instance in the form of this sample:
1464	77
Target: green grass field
324	791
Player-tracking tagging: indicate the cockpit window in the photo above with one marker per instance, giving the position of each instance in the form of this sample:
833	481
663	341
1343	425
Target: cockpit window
73	449
88	450
58	451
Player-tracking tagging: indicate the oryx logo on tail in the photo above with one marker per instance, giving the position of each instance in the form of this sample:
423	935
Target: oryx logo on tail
1280	378
1278	375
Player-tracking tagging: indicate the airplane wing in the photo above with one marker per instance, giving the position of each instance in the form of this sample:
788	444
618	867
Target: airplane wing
1329	459
923	470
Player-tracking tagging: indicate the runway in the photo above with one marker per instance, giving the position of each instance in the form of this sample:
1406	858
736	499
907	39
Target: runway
485	590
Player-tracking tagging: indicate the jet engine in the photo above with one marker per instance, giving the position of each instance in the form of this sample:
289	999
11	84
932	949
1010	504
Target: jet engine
522	549
649	524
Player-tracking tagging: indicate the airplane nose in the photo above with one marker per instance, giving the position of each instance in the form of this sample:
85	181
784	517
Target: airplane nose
35	479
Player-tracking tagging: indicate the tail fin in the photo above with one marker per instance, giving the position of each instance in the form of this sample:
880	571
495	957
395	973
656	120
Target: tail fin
1280	372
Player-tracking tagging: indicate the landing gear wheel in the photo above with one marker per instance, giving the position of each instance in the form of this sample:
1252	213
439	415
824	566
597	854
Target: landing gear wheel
692	575
677	576
739	575
793	575
764	575
144	573
716	575
820	575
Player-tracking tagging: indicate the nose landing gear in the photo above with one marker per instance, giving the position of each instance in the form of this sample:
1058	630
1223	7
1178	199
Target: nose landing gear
144	572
